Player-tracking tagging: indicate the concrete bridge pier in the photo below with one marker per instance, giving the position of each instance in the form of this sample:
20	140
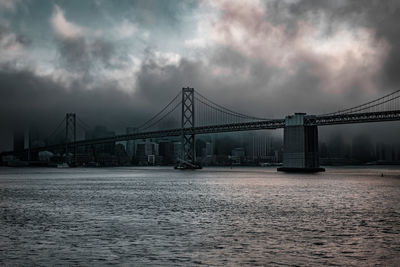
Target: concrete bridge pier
300	148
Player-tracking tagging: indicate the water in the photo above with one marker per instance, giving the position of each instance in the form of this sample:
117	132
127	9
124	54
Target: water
159	216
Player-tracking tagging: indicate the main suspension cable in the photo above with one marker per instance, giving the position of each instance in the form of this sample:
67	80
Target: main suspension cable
160	119
343	111
161	111
229	111
56	129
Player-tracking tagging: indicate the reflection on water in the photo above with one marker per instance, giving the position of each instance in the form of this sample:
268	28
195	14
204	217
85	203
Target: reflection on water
218	216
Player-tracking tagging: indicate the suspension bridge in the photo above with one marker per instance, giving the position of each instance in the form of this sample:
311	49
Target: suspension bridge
190	113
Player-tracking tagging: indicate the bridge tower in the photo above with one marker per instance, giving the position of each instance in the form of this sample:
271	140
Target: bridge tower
188	153
300	145
70	135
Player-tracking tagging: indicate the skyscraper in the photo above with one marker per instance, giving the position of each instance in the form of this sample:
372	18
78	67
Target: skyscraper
131	144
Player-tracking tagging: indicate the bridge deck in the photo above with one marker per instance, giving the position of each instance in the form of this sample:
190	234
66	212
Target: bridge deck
233	127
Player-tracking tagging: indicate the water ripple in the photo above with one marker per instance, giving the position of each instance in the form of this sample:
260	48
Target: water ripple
257	217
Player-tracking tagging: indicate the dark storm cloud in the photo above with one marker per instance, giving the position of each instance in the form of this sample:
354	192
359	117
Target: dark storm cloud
81	50
82	55
381	16
229	76
26	98
10	40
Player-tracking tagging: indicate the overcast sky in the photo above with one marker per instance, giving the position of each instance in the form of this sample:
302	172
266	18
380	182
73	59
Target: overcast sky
116	62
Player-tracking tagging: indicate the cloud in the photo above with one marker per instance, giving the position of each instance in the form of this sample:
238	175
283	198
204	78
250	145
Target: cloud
82	51
379	16
82	55
9	5
64	28
13	48
340	56
126	29
279	56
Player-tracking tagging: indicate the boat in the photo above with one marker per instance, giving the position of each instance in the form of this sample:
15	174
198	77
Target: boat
62	165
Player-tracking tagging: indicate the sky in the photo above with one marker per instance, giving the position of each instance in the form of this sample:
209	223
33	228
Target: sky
115	63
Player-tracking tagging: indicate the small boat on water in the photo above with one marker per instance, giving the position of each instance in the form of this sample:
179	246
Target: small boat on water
270	164
187	167
62	165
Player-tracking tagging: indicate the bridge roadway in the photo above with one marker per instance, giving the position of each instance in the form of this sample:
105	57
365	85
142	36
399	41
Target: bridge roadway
233	127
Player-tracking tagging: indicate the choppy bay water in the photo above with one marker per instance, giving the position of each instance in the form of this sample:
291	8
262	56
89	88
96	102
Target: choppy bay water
159	216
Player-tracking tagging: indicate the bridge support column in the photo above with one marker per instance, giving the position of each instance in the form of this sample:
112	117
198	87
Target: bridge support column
188	153
300	148
70	136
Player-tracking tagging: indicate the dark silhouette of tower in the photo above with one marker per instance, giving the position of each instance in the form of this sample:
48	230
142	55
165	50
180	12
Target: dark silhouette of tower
188	154
70	134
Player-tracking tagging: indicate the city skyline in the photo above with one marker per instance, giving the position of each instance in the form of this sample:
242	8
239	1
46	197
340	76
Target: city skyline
251	148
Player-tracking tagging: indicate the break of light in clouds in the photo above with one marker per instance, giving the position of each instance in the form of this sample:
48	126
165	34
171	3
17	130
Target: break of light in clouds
122	59
345	58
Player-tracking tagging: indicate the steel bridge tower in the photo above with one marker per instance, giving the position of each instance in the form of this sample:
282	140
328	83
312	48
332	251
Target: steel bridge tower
188	153
70	135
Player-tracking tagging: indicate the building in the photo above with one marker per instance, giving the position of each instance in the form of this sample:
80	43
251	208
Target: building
207	154
258	146
177	151
122	156
146	152
131	144
237	155
166	150
362	149
385	152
